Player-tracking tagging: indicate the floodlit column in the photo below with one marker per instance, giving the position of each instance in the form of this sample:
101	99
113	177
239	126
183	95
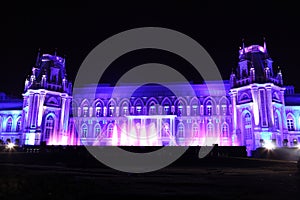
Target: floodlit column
254	91
270	106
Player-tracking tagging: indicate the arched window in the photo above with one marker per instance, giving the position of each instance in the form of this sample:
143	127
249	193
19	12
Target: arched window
138	106
195	130
97	130
98	110
290	123
225	130
210	130
49	126
85	110
180	108
18	125
166	106
224	106
125	109
152	108
180	130
195	107
84	131
111	109
110	130
248	126
166	109
208	108
9	124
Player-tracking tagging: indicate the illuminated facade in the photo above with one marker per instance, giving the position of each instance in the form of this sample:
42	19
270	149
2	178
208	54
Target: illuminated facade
258	110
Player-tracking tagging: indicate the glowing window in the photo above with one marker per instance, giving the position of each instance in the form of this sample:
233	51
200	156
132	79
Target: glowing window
84	131
208	110
85	111
179	109
97	130
195	130
49	127
98	110
166	109
110	130
210	129
18	127
290	124
180	130
225	132
248	126
152	110
8	125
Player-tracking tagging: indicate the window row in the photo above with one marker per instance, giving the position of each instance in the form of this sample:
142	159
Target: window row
10	125
112	129
153	109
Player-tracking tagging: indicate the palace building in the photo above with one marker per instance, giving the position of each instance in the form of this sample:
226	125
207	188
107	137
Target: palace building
257	110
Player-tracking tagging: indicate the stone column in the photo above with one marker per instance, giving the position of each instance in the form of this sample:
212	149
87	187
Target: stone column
233	94
269	106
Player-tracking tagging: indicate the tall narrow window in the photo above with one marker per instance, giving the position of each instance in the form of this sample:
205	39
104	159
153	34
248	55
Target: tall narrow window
98	111
225	130
97	130
224	109
85	111
125	109
210	130
247	126
290	123
166	109
9	125
84	131
180	130
110	130
111	110
208	110
194	107
18	126
138	109
180	109
195	130
49	127
152	109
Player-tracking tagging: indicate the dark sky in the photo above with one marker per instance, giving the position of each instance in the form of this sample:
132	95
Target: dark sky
76	28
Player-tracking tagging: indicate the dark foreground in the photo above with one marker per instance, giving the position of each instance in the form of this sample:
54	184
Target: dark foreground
47	176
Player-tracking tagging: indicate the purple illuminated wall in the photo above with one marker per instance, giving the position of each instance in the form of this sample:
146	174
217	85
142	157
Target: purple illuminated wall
258	110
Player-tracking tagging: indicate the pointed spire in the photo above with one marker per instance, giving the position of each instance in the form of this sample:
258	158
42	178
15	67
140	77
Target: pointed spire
38	57
279	70
265	46
55	51
243	42
65	56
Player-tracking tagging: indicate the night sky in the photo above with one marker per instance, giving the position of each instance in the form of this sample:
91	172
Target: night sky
76	28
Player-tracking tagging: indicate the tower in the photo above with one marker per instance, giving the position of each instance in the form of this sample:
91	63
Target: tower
46	102
257	100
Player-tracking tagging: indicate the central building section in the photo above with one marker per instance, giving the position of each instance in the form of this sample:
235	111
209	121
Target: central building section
153	116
